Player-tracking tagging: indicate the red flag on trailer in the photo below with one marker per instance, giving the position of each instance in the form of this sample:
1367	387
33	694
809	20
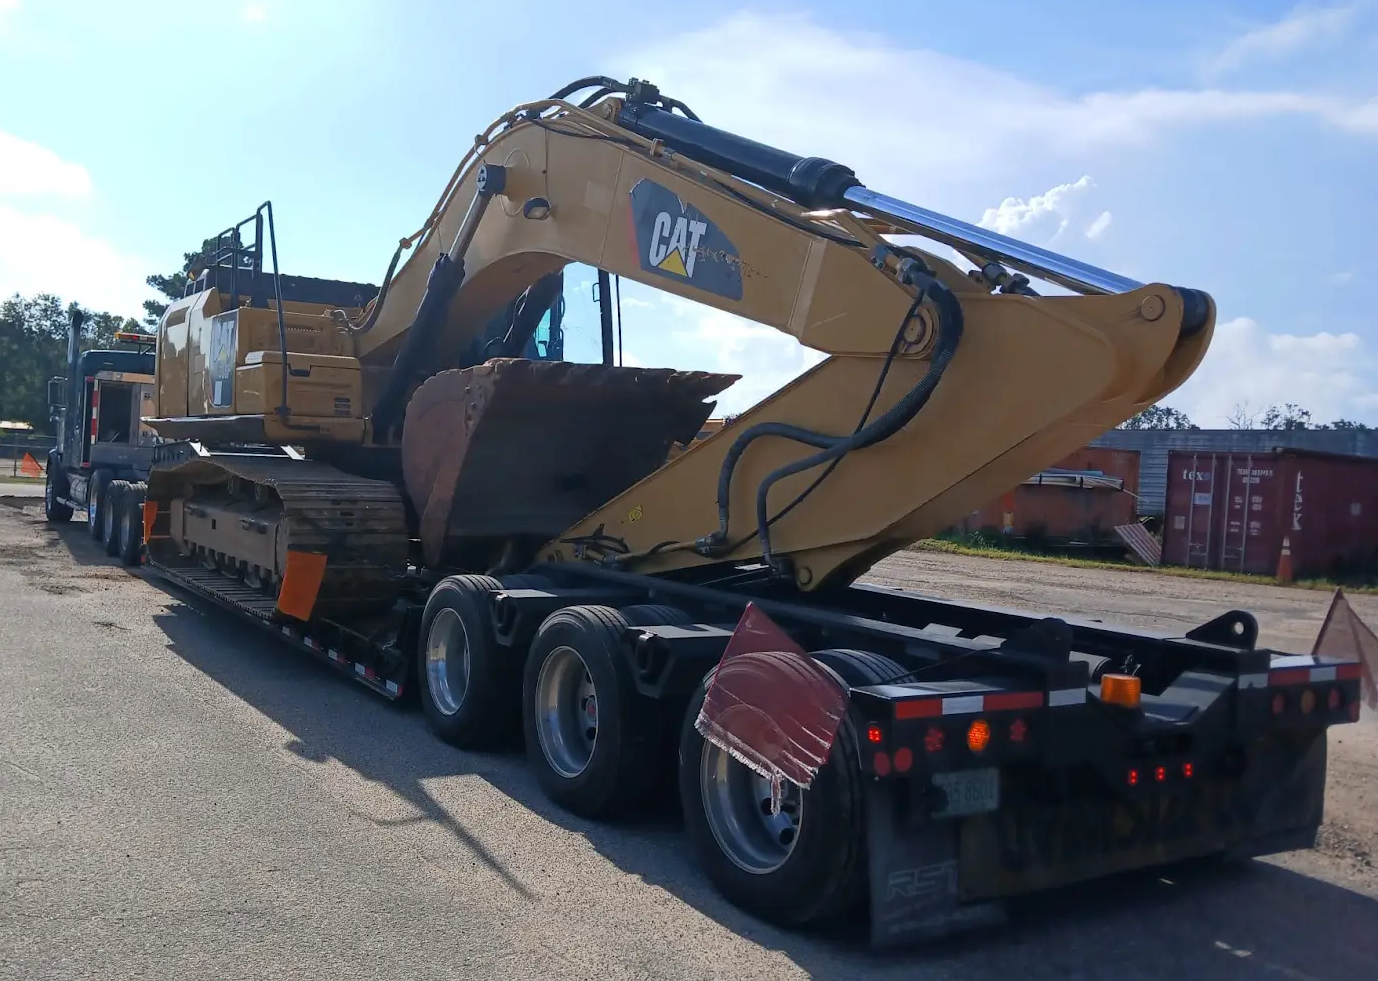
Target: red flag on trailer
1344	635
771	706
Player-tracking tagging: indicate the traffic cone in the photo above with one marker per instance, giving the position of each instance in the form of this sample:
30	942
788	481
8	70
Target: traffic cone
29	466
1285	561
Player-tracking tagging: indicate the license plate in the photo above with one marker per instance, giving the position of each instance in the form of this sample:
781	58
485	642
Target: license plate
969	791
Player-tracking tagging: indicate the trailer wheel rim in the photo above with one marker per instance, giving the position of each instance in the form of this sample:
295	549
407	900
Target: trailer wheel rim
736	802
566	712
447	661
126	529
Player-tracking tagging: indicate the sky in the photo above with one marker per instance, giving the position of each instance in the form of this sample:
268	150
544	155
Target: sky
1228	146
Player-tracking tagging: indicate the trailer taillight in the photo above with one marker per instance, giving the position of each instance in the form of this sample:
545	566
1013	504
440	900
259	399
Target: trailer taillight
1279	703
1160	774
1187	770
1334	700
1308	701
904	759
978	736
1132	778
873	733
1018	730
933	739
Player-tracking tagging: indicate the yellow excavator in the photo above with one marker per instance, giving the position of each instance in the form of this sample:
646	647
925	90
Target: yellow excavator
410	481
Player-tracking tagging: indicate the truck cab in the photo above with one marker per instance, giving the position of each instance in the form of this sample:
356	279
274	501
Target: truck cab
99	411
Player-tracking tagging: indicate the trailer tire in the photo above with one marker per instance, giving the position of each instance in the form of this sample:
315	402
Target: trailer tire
456	636
54	511
110	516
95	499
655	615
858	668
131	530
822	874
575	666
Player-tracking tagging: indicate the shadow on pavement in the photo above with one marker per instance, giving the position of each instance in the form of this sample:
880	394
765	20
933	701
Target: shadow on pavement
1250	922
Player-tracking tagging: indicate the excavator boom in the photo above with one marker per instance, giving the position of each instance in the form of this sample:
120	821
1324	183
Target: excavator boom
1007	380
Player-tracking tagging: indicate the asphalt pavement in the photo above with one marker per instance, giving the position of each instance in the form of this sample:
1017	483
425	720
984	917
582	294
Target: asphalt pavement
184	797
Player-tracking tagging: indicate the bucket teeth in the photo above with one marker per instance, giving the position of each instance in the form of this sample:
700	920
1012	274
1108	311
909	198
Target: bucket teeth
517	449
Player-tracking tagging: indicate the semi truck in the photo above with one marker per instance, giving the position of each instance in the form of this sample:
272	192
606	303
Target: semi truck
104	447
410	482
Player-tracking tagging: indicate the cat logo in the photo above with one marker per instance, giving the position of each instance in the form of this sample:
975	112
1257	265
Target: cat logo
677	241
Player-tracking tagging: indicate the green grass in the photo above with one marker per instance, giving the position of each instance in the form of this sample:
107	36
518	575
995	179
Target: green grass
19	479
993	547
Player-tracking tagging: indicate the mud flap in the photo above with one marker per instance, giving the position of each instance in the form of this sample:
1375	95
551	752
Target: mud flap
915	873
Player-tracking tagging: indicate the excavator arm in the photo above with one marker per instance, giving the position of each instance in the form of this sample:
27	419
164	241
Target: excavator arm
941	388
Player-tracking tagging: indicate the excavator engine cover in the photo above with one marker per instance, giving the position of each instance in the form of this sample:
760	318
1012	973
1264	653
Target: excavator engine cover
518	449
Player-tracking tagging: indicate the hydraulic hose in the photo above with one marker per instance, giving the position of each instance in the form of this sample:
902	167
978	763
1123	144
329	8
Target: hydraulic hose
949	329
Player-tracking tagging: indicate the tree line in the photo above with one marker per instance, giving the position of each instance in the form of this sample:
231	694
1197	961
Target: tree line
33	340
1288	416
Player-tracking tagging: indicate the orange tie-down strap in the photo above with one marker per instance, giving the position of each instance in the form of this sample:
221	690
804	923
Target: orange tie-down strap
301	581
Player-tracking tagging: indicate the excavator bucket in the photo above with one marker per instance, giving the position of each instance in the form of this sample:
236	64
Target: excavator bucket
520	450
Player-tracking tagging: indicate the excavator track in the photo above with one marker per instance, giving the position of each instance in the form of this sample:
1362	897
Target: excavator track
278	505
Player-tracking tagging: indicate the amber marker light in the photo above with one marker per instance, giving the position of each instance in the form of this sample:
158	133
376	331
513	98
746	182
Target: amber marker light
978	736
1120	689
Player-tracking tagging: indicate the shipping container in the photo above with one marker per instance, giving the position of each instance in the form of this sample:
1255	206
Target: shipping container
1235	511
1153	446
1078	501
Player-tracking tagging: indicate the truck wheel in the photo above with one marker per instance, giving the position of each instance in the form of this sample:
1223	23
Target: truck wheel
460	667
588	731
110	515
95	500
54	510
803	865
131	530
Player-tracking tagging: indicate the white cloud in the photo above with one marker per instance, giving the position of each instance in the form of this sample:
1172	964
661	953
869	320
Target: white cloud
1097	228
1342	278
27	168
1042	218
971	123
1325	372
255	13
45	254
41	252
1299	29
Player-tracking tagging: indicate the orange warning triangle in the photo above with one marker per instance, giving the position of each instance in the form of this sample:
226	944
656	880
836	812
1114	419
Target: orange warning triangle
29	466
673	263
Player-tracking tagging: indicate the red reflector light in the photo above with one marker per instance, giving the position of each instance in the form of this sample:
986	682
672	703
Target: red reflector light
1013	700
1018	730
1279	703
1333	700
881	764
933	739
1160	774
873	733
904	759
919	708
1133	778
1187	770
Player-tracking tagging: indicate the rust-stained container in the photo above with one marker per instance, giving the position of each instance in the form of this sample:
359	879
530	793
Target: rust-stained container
1234	512
1078	501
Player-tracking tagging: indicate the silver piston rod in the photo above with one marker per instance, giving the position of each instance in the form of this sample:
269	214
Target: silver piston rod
1081	277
